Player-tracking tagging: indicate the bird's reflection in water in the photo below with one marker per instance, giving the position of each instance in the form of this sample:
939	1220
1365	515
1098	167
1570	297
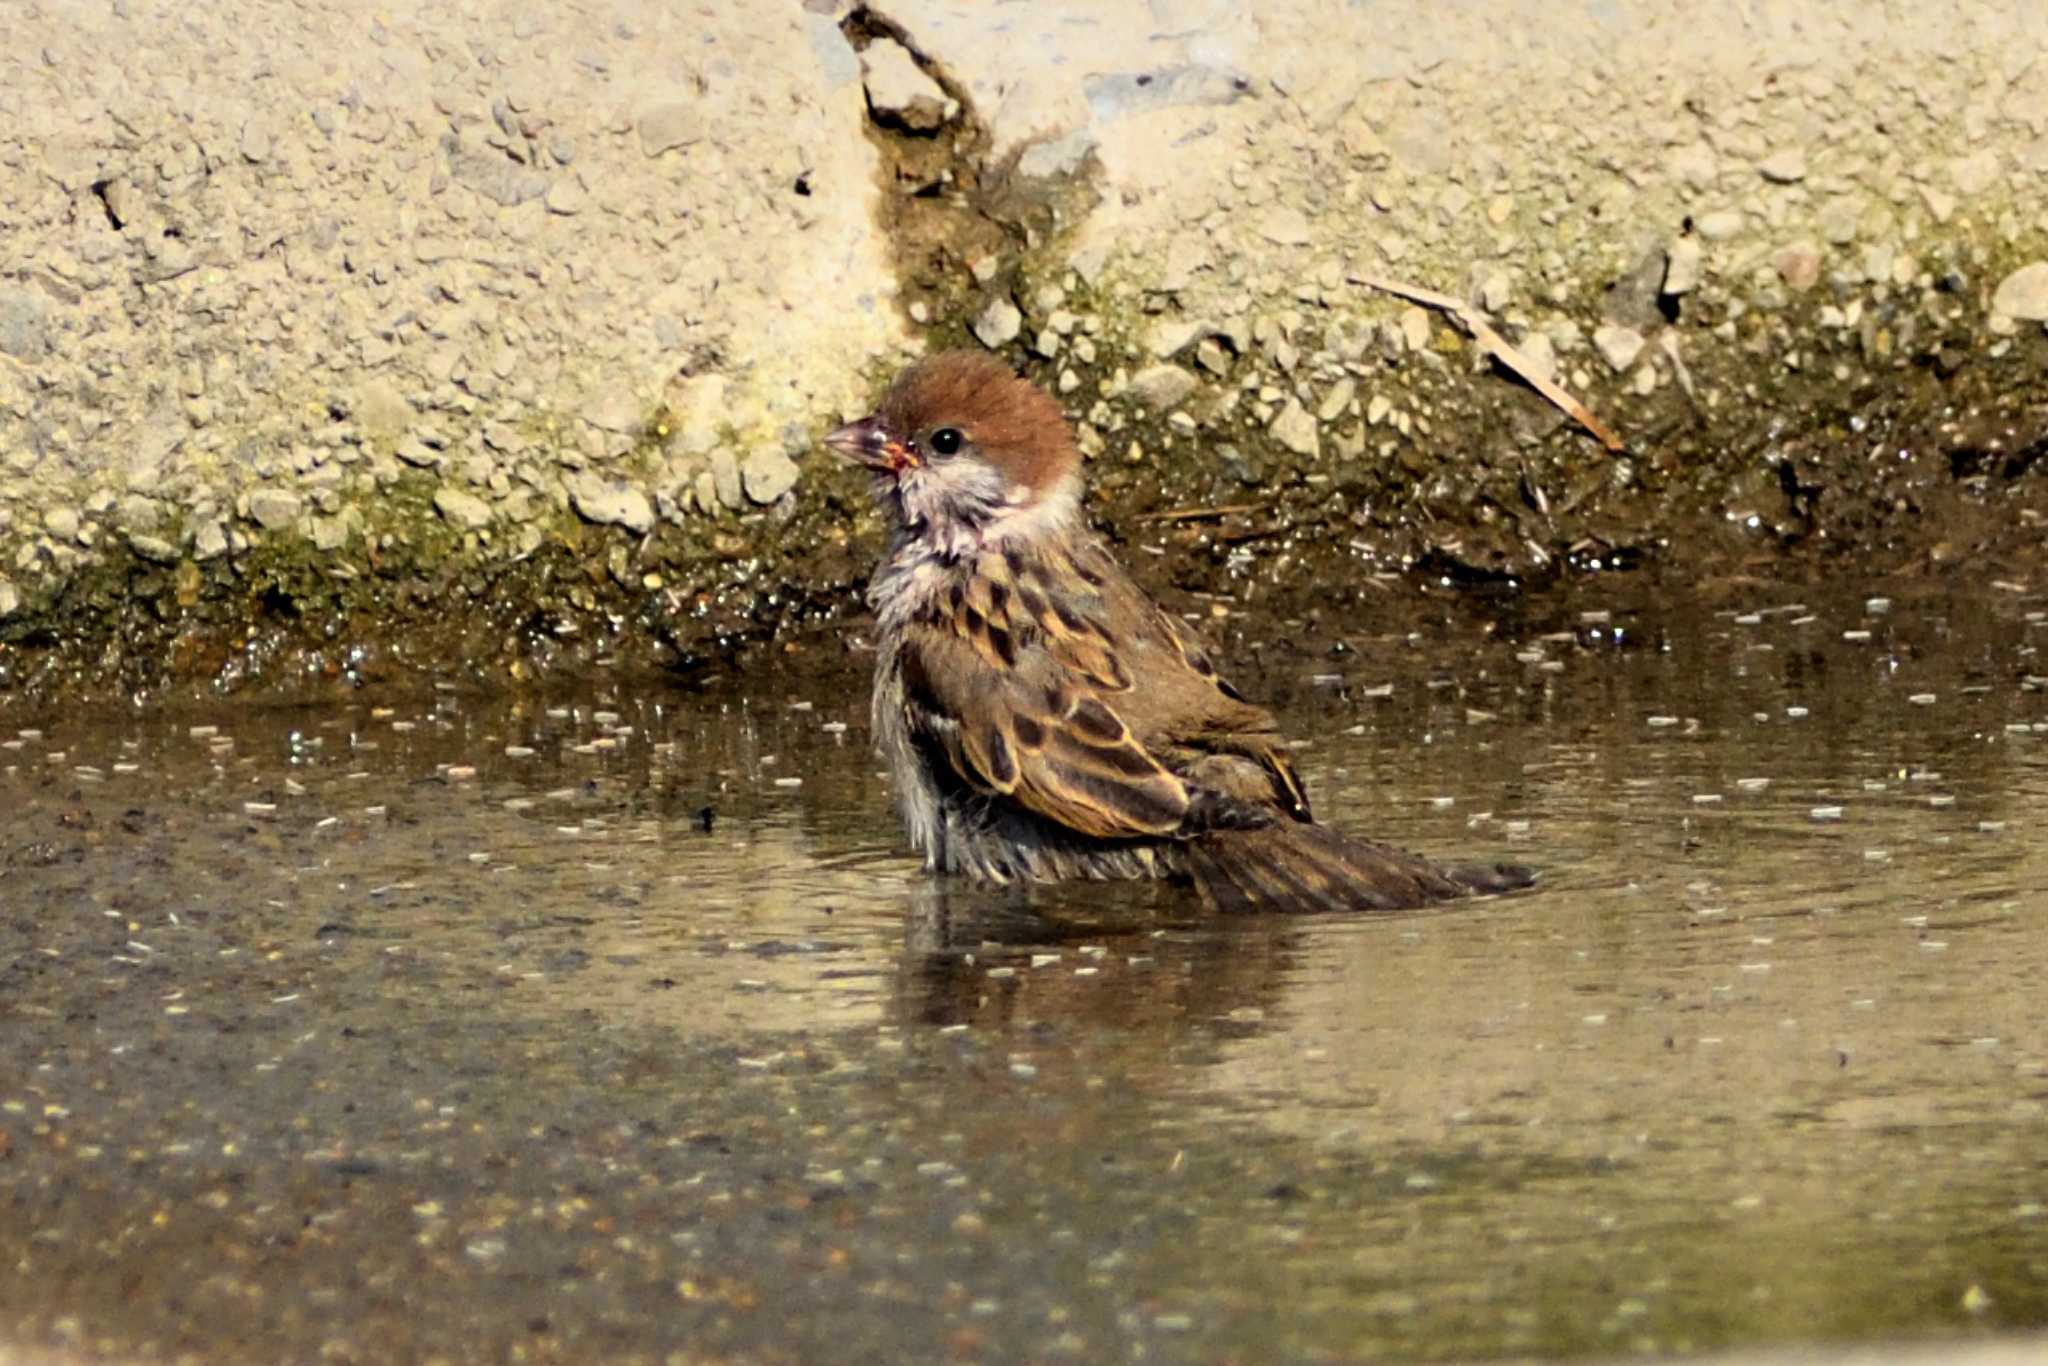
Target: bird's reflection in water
1134	960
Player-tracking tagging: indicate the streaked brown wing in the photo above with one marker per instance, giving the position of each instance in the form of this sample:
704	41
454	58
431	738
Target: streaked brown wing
1035	734
1251	733
1019	679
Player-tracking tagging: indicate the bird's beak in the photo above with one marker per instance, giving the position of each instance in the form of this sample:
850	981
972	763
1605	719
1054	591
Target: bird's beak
869	442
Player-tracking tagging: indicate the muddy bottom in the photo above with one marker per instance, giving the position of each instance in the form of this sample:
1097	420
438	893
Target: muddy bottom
619	1027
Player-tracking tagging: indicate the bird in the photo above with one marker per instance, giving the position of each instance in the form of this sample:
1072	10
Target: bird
1040	716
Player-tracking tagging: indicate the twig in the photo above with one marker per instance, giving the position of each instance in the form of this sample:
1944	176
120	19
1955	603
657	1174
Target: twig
1260	533
1497	346
1204	514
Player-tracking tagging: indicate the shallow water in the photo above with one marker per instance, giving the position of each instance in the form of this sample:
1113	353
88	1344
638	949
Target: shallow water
618	1025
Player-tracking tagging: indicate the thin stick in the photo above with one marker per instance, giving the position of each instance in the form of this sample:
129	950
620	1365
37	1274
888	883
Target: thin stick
1203	514
1262	533
1497	346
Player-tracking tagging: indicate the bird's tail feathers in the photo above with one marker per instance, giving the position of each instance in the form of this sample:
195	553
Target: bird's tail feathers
1292	867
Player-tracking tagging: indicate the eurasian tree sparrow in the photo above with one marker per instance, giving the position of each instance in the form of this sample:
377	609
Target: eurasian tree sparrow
1041	717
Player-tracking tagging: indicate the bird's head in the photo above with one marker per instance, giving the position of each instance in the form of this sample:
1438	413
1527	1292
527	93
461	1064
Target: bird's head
964	452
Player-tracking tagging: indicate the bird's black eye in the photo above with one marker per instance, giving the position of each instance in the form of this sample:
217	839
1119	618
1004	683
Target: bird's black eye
947	441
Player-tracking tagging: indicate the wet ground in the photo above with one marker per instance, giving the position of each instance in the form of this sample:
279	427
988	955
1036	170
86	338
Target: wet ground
618	1027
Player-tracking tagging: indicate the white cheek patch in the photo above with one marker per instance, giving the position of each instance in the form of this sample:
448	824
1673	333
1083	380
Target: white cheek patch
1052	512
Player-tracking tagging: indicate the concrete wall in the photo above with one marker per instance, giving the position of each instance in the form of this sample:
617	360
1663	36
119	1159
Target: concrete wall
258	253
341	286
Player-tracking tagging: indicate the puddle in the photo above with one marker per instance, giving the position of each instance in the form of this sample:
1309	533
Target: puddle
617	1025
